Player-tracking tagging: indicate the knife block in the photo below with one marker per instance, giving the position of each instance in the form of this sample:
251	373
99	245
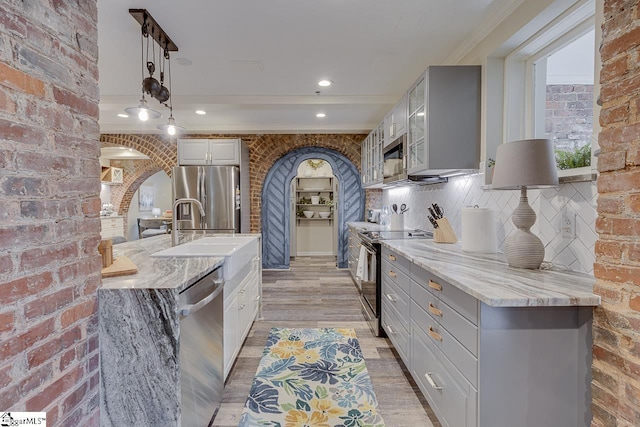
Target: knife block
444	233
106	250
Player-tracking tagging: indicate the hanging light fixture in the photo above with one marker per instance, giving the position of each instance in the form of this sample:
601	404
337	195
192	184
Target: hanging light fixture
150	85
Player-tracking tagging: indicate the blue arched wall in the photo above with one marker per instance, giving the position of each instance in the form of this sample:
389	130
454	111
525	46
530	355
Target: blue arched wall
276	214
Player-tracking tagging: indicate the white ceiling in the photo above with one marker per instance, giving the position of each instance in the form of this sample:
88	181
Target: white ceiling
256	63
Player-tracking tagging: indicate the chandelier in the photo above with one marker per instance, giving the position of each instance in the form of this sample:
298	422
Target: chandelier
152	34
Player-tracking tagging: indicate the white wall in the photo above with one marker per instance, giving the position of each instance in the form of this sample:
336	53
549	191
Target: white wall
161	185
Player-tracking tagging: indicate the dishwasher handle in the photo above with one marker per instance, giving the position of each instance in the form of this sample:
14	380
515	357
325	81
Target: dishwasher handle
188	310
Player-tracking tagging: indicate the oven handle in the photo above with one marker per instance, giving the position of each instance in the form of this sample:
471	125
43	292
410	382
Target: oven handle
369	248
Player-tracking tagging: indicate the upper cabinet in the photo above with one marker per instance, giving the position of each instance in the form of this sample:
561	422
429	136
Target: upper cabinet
395	122
372	158
209	151
110	175
444	121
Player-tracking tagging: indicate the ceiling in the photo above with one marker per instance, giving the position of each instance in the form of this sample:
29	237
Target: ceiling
255	64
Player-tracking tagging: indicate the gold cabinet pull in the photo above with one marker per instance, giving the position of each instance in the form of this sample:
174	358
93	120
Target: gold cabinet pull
391	331
434	310
391	298
392	257
431	382
392	273
433	334
434	285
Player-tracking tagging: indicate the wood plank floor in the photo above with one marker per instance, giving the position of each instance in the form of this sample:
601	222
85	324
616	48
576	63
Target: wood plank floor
312	294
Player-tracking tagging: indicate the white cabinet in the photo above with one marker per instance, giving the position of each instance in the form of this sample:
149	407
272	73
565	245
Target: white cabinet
444	121
395	122
111	227
209	151
242	295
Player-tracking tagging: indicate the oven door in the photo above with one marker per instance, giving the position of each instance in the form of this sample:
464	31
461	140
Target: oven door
370	288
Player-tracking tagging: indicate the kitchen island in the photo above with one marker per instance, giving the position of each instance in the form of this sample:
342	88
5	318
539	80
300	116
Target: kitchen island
487	344
140	330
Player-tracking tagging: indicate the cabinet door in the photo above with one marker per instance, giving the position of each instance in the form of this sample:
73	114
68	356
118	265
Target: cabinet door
416	141
388	128
231	332
193	151
400	117
224	151
364	152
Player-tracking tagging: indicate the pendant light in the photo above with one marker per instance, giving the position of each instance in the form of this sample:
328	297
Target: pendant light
170	128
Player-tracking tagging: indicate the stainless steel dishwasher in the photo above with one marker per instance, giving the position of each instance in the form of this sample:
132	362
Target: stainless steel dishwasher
201	351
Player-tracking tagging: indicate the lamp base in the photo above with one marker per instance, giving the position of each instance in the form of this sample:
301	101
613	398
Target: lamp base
523	249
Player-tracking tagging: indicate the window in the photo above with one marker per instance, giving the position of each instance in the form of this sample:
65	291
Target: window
549	83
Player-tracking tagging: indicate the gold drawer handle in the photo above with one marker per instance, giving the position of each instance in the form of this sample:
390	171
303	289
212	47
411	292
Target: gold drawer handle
431	382
391	298
391	331
392	274
392	257
434	285
434	310
433	334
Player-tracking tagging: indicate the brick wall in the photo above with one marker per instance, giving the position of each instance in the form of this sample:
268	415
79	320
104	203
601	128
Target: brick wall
49	205
616	328
264	150
569	116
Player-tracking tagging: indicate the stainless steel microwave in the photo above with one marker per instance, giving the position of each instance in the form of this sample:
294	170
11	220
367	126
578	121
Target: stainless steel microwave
395	160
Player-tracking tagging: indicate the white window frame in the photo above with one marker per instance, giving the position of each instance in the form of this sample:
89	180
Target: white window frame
519	101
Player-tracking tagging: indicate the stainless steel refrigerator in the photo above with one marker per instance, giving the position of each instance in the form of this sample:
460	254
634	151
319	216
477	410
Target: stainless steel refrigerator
218	188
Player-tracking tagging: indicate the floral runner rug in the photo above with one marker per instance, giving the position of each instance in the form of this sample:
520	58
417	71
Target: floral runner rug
312	378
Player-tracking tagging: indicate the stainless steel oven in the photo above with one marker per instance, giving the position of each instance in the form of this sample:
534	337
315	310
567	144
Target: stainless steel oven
371	283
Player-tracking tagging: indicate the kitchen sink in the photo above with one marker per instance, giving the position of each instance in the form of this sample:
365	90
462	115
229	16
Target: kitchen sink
237	251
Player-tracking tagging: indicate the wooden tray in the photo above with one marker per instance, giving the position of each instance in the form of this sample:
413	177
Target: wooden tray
121	266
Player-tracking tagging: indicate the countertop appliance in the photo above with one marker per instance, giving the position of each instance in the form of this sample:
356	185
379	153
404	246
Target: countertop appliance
218	188
201	349
371	289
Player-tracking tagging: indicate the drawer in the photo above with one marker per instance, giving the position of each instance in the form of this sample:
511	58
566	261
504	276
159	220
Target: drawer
398	276
398	335
460	301
463	330
461	358
393	296
397	261
454	400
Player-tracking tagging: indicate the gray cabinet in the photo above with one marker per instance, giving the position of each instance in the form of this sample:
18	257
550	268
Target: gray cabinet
371	150
444	121
395	122
486	366
354	253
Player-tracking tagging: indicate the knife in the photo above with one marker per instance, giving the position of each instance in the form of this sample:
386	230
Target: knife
433	213
433	221
438	210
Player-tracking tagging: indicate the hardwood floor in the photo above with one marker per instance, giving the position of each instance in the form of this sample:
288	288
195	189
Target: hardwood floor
312	294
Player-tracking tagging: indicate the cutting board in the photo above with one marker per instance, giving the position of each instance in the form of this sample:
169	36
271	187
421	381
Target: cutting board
121	266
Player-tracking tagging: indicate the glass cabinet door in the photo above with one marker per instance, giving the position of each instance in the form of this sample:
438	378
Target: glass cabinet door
417	122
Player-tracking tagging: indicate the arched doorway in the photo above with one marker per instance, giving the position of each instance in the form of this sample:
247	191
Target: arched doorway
275	203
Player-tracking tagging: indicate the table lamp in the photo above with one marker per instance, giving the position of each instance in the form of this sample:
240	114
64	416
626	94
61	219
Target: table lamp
156	212
529	163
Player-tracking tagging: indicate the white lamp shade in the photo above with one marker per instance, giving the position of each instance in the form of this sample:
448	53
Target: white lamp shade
527	163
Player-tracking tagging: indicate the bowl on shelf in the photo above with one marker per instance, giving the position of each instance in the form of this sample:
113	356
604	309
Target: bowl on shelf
308	214
324	214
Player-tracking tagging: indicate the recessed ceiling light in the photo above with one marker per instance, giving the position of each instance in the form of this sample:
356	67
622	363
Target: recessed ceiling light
201	112
324	83
321	115
123	115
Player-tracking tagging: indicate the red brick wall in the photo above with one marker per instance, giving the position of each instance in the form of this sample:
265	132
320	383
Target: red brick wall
49	205
616	328
264	150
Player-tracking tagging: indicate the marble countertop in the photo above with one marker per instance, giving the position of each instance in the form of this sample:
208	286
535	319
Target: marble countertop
362	225
488	278
159	273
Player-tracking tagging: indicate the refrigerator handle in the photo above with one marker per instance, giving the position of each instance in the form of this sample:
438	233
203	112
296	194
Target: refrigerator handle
202	196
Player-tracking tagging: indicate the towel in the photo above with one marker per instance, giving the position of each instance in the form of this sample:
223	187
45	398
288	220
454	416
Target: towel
362	272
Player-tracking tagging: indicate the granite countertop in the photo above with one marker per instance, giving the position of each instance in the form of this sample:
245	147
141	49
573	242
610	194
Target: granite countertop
159	273
488	278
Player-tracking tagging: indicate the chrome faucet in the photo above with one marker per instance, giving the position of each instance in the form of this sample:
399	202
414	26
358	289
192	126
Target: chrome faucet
174	220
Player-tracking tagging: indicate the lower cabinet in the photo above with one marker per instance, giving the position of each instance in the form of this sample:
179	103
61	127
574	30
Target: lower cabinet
485	366
241	305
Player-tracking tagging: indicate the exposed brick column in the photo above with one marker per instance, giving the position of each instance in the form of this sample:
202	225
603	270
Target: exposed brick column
49	210
616	327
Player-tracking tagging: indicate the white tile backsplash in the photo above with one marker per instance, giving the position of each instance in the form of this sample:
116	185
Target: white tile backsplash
580	198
